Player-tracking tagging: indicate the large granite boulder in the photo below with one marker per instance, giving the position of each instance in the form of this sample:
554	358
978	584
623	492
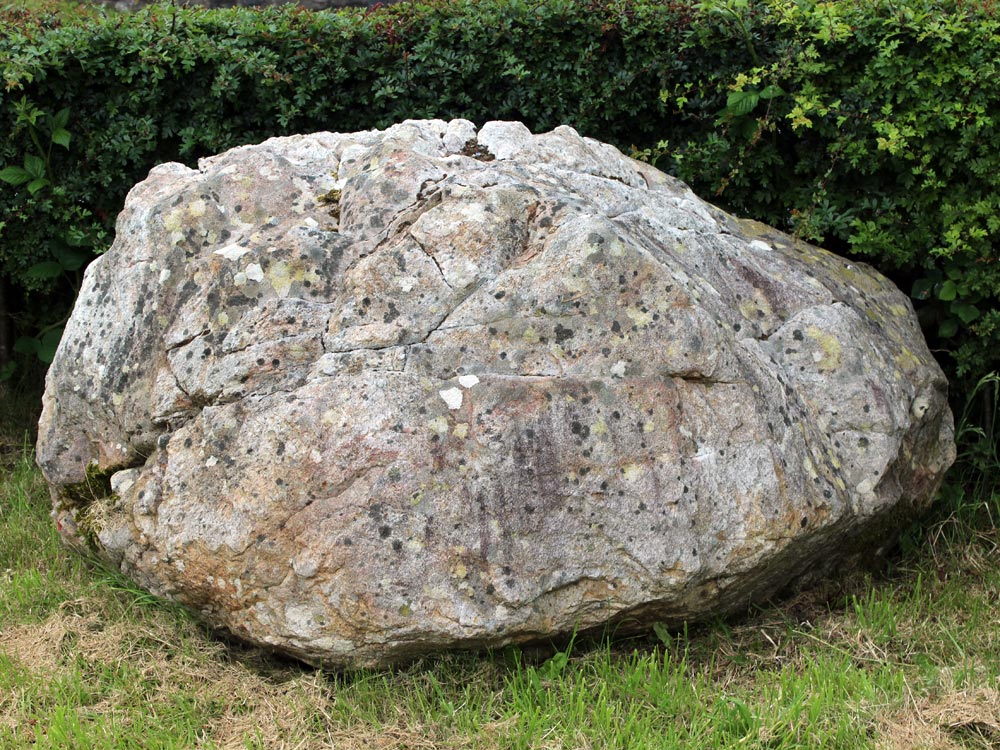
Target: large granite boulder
363	396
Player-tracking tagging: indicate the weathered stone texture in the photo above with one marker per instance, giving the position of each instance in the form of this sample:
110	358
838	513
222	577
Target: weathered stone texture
364	396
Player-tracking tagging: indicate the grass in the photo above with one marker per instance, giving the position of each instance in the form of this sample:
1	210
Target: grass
905	658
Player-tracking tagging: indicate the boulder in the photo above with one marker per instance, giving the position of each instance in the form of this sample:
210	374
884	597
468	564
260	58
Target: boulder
364	396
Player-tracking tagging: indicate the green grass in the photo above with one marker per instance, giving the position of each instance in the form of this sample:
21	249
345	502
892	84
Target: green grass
905	658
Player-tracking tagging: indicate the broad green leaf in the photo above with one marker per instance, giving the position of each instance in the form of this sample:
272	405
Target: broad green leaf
922	288
772	92
48	269
741	103
61	136
74	237
27	345
49	344
35	166
948	291
14	175
70	259
7	371
61	119
965	311
662	633
948	328
35	185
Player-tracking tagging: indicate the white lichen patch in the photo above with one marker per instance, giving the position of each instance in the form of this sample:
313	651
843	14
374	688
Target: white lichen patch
452	397
254	272
232	252
467	381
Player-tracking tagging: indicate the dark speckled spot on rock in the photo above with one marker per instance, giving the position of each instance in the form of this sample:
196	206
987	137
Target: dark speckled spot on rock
563	333
384	531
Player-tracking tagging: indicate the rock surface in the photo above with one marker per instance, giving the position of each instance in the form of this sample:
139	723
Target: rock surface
365	396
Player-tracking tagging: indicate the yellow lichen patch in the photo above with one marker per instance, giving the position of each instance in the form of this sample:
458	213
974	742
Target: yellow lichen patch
461	430
438	425
632	471
638	317
829	348
906	360
280	277
173	221
750	308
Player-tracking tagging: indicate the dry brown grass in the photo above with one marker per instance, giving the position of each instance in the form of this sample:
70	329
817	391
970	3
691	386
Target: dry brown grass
270	703
276	706
956	720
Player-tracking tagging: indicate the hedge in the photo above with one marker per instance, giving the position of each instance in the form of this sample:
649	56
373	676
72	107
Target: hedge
867	125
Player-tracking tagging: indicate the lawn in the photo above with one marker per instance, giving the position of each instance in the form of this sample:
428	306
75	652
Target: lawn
904	657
